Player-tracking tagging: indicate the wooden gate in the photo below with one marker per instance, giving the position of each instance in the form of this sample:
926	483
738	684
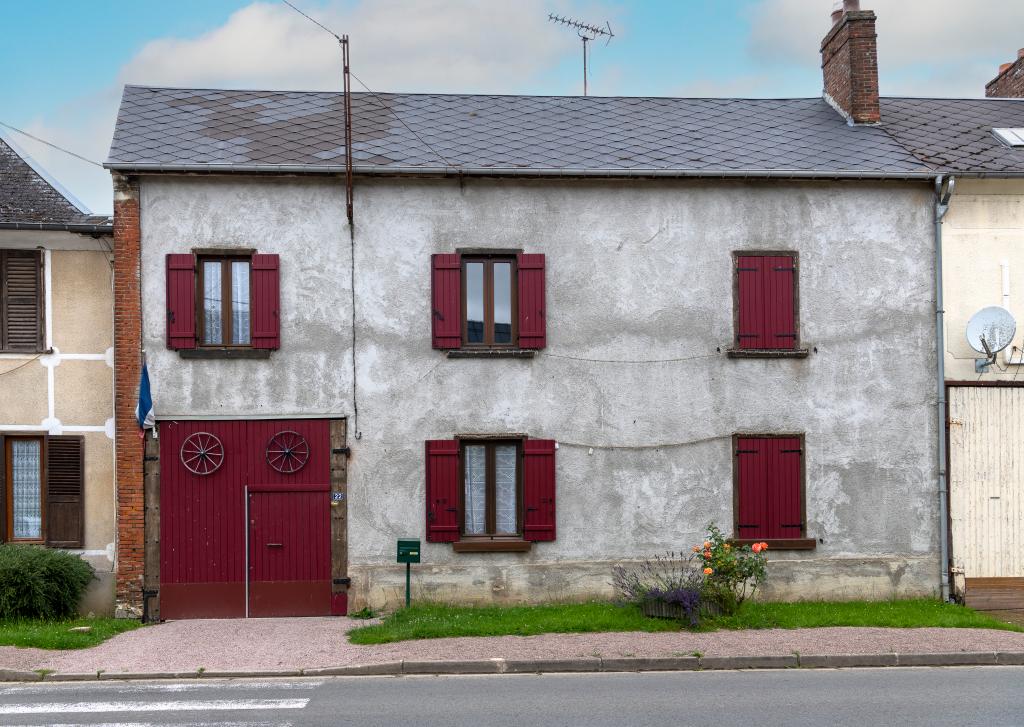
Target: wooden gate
205	468
986	485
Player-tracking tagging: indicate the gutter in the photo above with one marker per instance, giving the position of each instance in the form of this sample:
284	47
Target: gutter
83	228
944	187
513	171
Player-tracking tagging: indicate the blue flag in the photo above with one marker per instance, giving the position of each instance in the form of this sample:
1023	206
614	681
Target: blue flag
144	409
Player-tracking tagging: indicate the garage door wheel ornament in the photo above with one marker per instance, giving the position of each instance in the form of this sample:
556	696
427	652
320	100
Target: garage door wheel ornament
202	453
287	452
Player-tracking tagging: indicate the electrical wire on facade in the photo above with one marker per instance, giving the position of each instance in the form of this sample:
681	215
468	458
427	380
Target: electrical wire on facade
21	366
630	361
640	447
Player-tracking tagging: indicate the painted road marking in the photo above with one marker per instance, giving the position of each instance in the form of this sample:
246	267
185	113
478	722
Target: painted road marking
135	687
226	705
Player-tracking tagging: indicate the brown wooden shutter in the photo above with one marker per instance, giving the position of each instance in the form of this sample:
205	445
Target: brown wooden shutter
539	489
532	326
65	501
446	300
21	300
769	478
181	301
442	490
3	490
266	301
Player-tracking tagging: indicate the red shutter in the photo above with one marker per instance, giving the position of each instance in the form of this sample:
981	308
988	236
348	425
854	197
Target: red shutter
779	297
532	328
442	490
181	301
784	468
266	301
750	293
446	300
769	480
752	515
766	289
539	489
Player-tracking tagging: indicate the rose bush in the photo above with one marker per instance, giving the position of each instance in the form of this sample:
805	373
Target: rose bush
731	573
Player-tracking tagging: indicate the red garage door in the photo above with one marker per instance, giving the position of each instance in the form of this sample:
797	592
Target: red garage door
205	470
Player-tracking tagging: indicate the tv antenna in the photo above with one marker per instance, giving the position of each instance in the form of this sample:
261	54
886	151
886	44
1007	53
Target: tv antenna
587	33
989	331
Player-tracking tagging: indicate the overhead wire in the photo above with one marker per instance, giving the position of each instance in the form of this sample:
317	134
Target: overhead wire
374	93
50	144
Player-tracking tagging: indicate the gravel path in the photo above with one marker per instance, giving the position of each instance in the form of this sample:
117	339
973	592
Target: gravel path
294	643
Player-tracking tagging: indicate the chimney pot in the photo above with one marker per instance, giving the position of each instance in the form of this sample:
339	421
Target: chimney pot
1020	53
1003	67
851	6
837	12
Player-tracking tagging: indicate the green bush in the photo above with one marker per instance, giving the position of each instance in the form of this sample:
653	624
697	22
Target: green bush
37	582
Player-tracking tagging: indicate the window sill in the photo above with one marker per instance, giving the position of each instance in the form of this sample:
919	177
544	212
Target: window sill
491	353
779	543
492	546
236	353
767	353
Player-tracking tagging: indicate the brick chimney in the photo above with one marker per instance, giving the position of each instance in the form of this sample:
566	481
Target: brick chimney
1010	81
849	63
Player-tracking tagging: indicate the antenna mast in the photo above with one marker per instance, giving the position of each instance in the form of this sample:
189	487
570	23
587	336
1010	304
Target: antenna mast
587	33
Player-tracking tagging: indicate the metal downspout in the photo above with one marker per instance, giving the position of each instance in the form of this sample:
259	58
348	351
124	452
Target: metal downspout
943	191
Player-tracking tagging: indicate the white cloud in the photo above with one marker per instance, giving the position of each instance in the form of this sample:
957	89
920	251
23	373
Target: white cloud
436	45
925	47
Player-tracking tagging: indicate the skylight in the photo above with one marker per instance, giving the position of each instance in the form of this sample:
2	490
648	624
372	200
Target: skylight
1010	137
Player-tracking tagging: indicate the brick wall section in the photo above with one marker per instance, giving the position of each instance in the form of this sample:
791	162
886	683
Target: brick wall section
1009	83
127	368
849	66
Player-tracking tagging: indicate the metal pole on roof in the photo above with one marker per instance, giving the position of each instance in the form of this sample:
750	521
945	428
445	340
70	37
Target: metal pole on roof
347	80
587	33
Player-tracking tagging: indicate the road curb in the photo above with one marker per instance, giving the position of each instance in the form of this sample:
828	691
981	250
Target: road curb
555	666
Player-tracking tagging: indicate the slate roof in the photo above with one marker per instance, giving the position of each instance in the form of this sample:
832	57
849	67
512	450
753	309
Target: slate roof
210	130
28	199
955	134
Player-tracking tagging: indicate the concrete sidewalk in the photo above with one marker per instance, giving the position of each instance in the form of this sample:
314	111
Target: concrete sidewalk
294	646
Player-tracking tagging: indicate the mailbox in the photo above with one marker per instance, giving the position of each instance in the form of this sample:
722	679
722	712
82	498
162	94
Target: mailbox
408	550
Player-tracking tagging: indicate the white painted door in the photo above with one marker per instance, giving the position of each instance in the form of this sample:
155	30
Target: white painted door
986	452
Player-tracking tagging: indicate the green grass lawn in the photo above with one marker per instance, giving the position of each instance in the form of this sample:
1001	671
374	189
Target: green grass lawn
55	634
431	621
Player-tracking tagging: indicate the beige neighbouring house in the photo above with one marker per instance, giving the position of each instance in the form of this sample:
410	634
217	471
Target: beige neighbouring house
56	372
983	249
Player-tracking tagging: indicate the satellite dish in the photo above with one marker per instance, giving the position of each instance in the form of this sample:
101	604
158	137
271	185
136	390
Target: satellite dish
991	329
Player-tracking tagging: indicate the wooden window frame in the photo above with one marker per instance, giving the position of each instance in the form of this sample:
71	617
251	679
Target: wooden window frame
488	261
734	349
225	287
497	539
8	487
800	543
40	346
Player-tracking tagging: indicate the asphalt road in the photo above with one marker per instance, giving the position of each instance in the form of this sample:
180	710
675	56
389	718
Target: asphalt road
988	696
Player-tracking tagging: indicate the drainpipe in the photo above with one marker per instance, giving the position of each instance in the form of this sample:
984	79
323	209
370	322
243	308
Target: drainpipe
943	191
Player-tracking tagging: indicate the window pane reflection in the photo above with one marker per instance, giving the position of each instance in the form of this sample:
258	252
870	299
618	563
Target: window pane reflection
505	488
475	302
476	490
240	303
502	302
212	303
26	488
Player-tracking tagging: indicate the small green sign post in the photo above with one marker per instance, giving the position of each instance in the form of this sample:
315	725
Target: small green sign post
408	553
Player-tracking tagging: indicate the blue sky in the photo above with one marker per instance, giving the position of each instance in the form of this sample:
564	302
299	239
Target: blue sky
65	60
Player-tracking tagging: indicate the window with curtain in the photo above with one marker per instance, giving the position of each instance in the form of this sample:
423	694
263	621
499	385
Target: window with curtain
24	459
491	490
224	284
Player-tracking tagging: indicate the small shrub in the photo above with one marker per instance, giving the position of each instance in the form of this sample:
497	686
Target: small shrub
672	579
37	582
731	573
364	613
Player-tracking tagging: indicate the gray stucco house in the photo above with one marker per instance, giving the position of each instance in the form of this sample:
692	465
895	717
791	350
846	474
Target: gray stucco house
561	333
